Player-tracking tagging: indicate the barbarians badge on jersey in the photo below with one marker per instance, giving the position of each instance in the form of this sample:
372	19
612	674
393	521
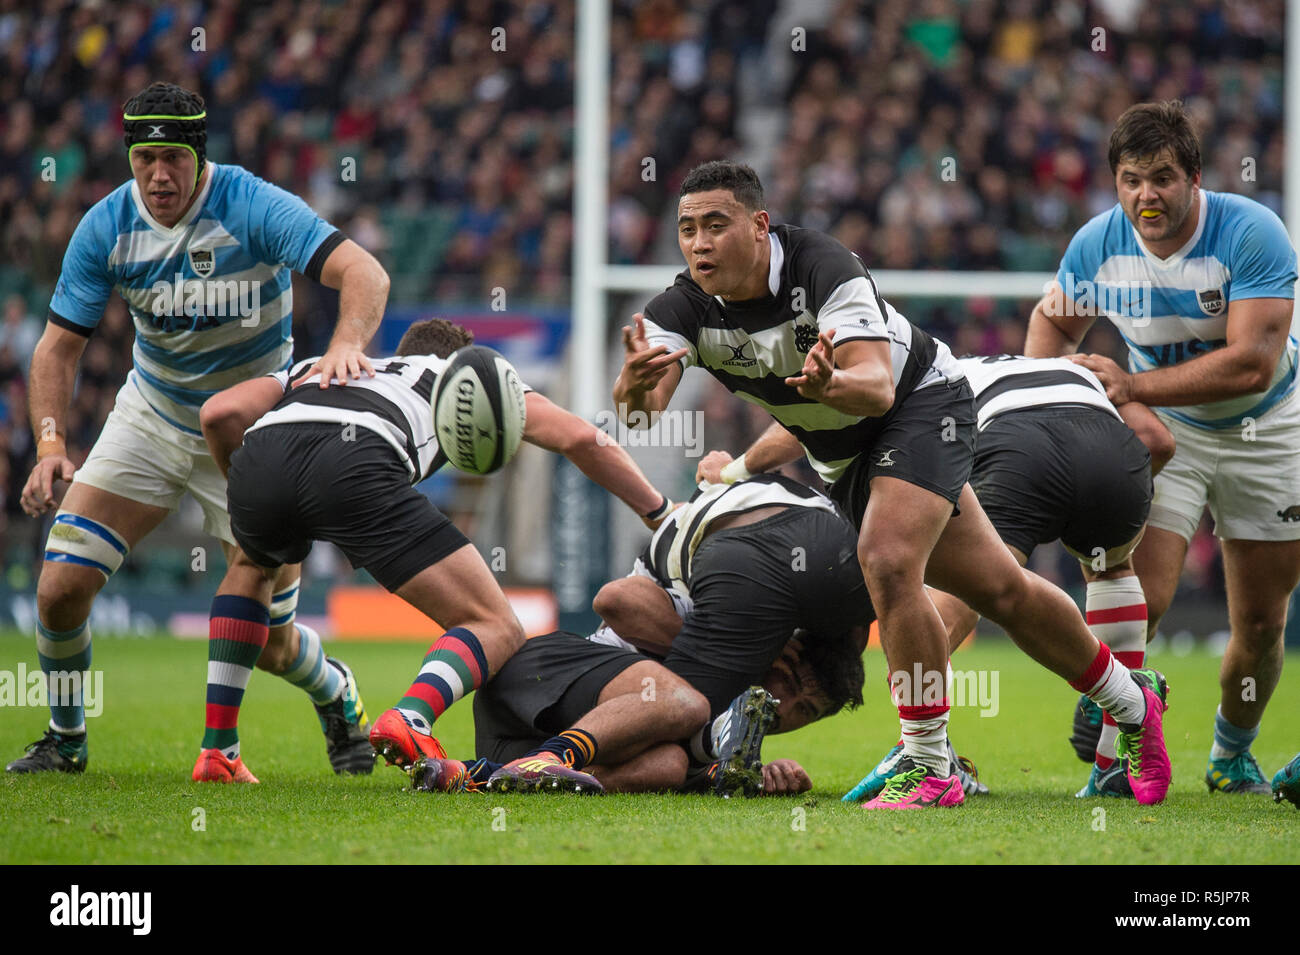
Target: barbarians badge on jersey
201	262
805	337
1212	301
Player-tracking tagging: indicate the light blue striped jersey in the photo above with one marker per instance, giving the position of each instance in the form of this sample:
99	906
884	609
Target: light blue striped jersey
1171	310
210	297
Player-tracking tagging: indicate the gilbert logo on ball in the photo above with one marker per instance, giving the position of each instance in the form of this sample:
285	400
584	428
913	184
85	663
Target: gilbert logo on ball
478	410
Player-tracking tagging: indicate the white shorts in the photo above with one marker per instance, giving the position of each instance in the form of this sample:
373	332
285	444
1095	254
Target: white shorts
141	457
1249	476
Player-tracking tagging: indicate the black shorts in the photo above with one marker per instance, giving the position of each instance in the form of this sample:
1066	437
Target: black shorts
290	485
550	684
753	585
928	440
1075	473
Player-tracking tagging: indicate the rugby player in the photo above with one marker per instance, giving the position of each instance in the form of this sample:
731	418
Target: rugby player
341	466
560	694
1055	460
1201	287
201	253
791	321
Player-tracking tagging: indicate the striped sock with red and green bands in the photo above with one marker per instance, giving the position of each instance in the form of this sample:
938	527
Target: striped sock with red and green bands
454	666
237	631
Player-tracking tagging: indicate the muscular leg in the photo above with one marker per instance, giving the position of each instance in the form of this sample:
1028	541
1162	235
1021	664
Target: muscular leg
633	715
67	587
460	593
1158	562
660	768
1260	576
899	529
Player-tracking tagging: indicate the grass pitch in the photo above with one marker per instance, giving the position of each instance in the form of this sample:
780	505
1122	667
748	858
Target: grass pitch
135	804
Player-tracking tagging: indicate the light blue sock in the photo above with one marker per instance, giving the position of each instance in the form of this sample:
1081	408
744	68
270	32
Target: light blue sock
64	656
310	672
1229	740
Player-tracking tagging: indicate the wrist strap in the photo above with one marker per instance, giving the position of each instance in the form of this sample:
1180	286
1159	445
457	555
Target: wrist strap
737	470
664	506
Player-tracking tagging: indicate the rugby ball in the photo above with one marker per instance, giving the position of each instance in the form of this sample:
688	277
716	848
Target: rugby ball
478	410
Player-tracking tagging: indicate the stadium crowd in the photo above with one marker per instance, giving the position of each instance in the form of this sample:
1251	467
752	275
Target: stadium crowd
445	147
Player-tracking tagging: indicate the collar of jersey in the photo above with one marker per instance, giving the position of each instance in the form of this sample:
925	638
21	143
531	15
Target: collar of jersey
775	261
185	220
1177	257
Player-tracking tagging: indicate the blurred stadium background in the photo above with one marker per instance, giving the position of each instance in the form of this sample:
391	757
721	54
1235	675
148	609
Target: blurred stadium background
452	160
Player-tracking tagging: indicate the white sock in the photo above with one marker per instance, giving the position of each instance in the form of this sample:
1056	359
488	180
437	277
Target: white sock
1117	616
1118	694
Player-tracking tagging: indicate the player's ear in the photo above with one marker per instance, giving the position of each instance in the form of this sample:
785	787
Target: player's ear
761	224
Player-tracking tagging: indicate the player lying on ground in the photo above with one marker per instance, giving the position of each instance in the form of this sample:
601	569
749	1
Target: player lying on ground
340	466
569	713
201	253
726	580
1201	285
1055	460
791	320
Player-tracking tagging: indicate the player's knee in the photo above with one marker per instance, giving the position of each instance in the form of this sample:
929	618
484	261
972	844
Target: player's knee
1259	631
608	603
891	572
999	598
64	594
690	710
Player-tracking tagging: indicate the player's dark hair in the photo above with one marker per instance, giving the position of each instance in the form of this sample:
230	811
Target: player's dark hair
836	663
725	174
1147	129
435	336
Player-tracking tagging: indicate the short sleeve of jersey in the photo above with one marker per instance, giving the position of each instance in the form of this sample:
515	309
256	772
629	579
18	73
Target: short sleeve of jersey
670	321
1262	260
1082	257
292	372
84	281
838	290
285	230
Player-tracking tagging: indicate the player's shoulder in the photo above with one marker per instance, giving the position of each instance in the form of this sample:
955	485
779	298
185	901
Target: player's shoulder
234	186
681	306
808	248
1108	232
111	216
1230	216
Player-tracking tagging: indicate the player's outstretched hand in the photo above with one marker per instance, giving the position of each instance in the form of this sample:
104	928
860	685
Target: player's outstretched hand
339	364
40	493
814	380
710	467
784	777
643	366
1117	382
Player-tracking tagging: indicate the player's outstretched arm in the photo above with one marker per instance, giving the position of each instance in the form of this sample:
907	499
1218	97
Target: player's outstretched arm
774	447
595	454
648	378
362	285
228	414
1054	329
856	378
52	376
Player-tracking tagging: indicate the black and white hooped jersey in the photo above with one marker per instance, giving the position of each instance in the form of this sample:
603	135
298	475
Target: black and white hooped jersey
1003	383
673	546
815	284
394	404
